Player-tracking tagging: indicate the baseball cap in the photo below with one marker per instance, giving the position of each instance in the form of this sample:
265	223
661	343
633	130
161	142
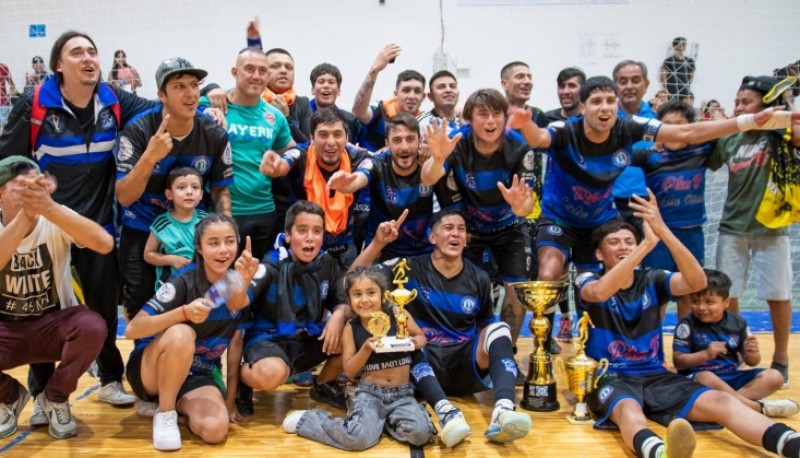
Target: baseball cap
175	65
12	166
37	60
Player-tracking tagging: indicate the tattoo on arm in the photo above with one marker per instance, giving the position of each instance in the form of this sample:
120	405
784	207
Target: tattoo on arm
365	91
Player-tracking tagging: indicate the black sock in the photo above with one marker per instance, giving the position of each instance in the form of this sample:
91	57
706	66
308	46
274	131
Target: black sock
502	367
551	317
563	305
783	438
647	444
425	380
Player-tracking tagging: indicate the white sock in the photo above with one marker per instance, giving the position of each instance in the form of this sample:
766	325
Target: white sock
500	406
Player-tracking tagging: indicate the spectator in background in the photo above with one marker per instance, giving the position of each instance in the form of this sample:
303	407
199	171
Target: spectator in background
124	75
677	71
7	90
712	110
659	99
39	74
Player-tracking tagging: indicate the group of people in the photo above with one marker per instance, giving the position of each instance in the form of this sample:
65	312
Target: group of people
250	221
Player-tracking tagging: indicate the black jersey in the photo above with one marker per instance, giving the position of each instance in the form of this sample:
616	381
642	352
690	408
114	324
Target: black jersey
692	335
379	361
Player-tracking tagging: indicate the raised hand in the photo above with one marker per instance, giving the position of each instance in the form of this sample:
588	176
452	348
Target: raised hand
386	55
340	179
160	144
254	29
518	118
389	231
440	145
518	194
648	211
247	265
35	194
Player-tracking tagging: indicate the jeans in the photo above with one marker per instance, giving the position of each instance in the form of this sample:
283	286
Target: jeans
372	409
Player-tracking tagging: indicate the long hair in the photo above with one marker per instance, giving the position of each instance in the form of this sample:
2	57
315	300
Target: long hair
115	65
374	273
200	272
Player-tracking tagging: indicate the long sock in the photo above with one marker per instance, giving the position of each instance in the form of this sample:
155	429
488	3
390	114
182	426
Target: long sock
782	440
647	444
502	367
563	305
425	380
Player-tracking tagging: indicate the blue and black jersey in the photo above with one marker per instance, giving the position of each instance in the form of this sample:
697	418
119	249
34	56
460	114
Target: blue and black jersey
692	335
476	176
213	335
449	310
678	180
627	328
580	173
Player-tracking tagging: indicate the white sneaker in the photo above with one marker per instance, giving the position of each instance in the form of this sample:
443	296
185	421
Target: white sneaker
59	416
38	417
454	428
291	421
114	393
510	425
166	434
9	413
146	408
779	407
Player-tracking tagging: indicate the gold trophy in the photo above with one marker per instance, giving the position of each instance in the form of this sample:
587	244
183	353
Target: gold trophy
378	325
540	385
582	373
401	297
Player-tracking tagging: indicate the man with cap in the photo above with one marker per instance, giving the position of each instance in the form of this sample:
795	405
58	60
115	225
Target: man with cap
743	241
39	74
78	118
41	320
174	135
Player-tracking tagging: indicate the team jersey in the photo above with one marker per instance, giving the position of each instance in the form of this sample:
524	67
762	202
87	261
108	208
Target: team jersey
212	335
678	180
426	119
580	173
174	238
631	181
206	148
253	130
692	335
391	194
310	289
627	328
448	310
379	361
373	134
477	175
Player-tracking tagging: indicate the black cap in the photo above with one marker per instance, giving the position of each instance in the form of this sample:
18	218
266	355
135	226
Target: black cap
37	60
761	84
175	65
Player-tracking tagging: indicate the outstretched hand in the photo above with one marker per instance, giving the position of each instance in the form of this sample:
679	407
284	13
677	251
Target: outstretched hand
340	179
648	211
269	163
518	194
518	118
440	145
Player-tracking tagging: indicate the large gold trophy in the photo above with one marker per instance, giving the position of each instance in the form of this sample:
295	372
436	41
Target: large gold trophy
540	385
401	297
582	373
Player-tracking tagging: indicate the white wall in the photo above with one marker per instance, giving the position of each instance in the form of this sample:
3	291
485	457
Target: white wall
735	37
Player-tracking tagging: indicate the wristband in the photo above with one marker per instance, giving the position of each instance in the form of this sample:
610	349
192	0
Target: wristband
183	310
746	122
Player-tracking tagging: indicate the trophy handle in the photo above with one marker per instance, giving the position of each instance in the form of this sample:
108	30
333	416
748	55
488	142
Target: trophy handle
560	366
603	365
413	295
388	296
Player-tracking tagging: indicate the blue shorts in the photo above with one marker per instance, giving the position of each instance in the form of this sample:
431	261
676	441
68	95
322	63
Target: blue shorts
736	379
692	238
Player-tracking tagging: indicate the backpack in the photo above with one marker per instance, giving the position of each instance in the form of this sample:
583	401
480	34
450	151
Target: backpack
39	111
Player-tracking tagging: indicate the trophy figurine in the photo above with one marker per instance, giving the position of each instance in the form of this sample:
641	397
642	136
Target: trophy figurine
540	385
582	373
400	296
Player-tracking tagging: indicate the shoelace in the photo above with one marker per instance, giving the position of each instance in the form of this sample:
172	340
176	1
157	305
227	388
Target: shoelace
62	412
6	412
449	415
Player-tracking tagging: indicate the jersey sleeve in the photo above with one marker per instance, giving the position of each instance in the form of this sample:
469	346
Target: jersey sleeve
581	281
260	282
171	295
293	157
683	337
132	144
660	278
283	133
222	169
639	128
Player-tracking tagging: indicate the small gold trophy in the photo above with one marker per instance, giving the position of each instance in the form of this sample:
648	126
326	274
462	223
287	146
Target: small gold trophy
582	373
378	325
401	297
540	386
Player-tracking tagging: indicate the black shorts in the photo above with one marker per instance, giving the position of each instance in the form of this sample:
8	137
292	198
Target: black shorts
509	248
664	396
533	265
575	244
134	374
301	352
456	369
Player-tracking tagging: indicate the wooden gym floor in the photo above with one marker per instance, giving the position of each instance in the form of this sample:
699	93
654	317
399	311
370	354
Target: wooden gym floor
120	432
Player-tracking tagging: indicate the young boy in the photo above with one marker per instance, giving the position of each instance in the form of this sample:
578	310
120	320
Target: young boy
712	342
625	303
171	241
290	299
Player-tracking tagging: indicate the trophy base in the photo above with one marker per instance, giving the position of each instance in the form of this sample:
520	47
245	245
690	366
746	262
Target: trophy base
393	344
580	415
539	398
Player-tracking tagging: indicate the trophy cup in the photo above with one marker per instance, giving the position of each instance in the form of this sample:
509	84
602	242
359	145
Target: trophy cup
582	373
540	385
400	296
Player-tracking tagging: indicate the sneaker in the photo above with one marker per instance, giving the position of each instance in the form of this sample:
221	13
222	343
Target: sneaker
331	393
565	329
303	379
38	417
510	425
783	368
520	380
93	371
454	428
61	423
680	441
779	407
554	348
291	420
244	400
166	434
9	413
114	393
146	408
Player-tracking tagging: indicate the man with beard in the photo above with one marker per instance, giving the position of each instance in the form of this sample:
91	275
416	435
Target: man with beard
408	95
569	82
444	95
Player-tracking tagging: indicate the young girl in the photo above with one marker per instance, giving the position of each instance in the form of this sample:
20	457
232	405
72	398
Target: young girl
181	338
384	396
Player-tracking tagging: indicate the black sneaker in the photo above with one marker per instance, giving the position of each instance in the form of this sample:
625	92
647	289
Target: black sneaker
520	380
244	400
331	393
783	368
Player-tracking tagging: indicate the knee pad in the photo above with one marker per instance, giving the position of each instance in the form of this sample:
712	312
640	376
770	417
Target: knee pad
496	331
